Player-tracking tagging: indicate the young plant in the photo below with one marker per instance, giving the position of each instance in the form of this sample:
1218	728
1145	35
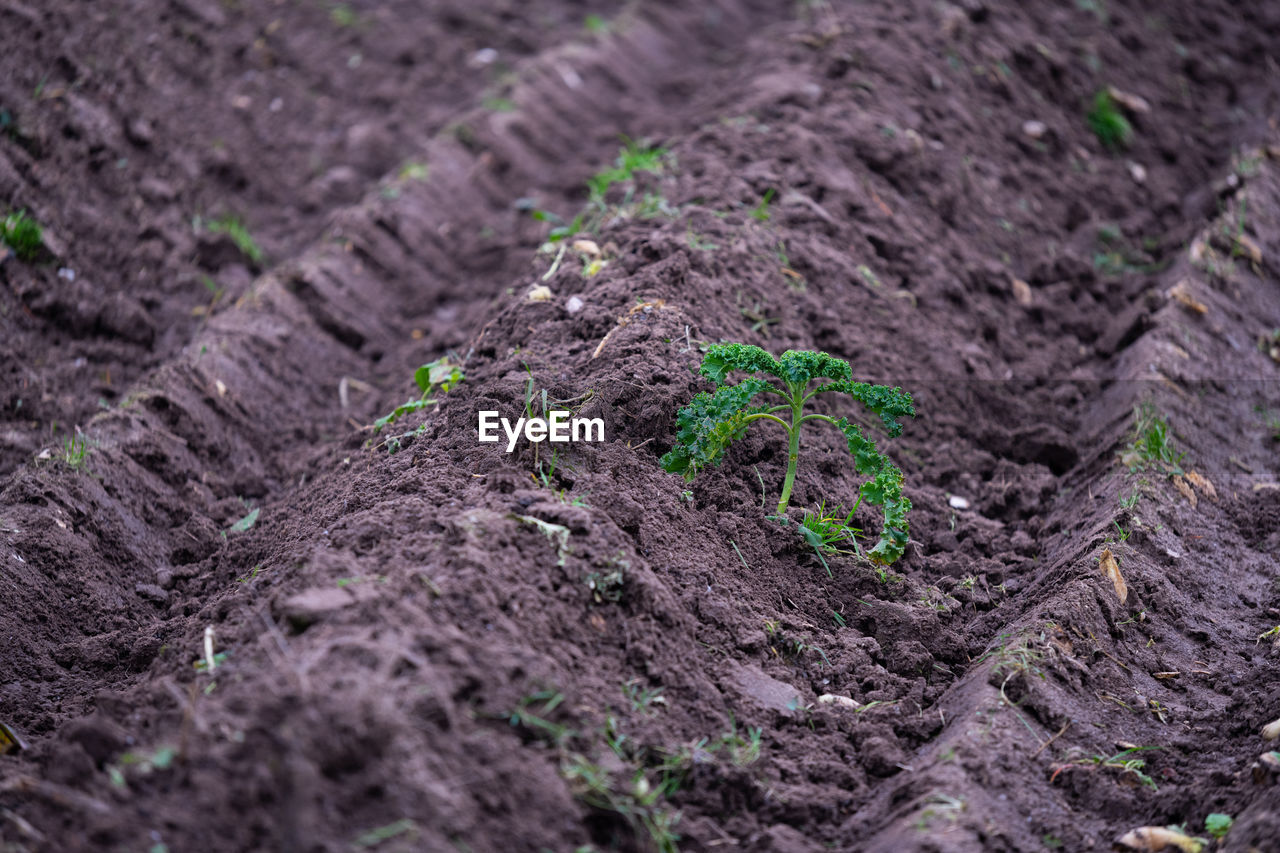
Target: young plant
22	234
713	420
1151	446
1108	123
440	375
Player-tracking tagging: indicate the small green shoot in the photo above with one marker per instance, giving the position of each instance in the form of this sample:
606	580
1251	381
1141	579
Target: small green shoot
525	715
441	375
1218	824
634	157
596	25
638	802
642	699
1108	123
23	235
713	420
760	213
75	452
1272	634
376	836
1151	444
1122	761
234	228
245	523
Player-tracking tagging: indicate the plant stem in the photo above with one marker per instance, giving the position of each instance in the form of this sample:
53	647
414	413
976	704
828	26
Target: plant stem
793	448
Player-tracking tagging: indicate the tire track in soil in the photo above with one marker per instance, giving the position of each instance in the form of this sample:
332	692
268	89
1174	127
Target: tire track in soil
205	432
327	301
122	129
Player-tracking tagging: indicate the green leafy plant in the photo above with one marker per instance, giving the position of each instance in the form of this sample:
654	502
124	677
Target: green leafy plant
713	420
22	234
1218	824
440	375
1108	123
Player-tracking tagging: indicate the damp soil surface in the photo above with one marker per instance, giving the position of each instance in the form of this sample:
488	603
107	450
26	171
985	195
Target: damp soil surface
237	615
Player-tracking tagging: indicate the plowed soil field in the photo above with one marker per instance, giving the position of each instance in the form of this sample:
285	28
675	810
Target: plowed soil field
240	613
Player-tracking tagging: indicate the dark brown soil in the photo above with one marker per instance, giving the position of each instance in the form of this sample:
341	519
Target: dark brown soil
410	657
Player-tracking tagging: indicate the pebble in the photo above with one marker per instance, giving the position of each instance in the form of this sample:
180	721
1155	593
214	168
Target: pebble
1034	129
67	273
574	304
1137	172
538	293
958	502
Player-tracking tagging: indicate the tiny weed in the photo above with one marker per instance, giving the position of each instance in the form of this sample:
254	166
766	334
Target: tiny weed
532	713
642	698
634	157
376	836
596	25
234	228
1218	824
742	751
343	15
637	803
23	235
75	452
441	375
1108	123
1273	634
760	213
1122	761
1151	445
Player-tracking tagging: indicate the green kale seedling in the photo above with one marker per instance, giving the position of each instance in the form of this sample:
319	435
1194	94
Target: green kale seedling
712	420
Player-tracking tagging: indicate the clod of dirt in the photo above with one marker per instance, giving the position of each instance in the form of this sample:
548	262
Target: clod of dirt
1131	102
313	605
1111	569
1186	491
100	737
1021	292
1181	293
767	692
1202	483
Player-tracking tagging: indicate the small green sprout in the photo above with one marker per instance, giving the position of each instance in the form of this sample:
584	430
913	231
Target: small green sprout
634	157
22	234
1108	123
712	420
760	212
440	375
1218	824
234	228
75	450
1151	446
